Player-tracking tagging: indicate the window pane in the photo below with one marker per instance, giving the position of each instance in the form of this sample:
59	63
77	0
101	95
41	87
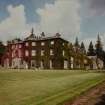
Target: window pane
33	53
26	53
42	43
26	44
52	42
33	43
42	52
51	52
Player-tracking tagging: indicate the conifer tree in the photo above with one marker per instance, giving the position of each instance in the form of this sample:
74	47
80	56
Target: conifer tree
83	48
76	42
98	46
91	51
2	47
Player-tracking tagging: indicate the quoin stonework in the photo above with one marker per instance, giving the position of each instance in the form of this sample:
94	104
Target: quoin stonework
42	52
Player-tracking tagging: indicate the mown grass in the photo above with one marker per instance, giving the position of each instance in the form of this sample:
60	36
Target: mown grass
44	87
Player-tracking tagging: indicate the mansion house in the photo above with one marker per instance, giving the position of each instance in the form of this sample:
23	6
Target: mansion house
36	52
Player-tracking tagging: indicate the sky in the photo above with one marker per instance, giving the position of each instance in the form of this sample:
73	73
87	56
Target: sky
72	18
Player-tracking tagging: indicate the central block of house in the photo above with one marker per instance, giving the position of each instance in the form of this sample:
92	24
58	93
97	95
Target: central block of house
37	52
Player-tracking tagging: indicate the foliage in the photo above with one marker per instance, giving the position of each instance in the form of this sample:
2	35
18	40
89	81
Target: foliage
83	48
91	51
76	42
2	48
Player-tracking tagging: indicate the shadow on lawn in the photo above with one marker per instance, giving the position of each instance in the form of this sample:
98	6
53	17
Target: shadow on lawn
102	100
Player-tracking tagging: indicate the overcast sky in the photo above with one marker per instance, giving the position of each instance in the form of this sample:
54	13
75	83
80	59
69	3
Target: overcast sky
71	18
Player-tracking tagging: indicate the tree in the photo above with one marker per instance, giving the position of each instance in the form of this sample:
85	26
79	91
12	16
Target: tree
76	44
91	51
99	48
2	51
83	48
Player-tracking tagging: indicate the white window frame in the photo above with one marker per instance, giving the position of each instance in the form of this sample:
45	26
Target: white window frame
42	64
42	52
51	64
12	54
42	43
20	53
52	42
20	46
13	46
16	46
33	43
26	44
51	52
33	52
33	63
26	53
63	52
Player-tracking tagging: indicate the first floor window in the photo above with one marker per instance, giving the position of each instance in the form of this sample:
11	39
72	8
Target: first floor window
12	54
26	43
20	46
51	52
42	52
13	46
42	43
26	53
33	43
63	53
52	42
33	52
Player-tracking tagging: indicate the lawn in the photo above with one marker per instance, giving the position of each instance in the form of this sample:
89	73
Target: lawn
44	87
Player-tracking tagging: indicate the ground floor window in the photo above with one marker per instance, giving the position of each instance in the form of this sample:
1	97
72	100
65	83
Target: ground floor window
72	63
51	64
65	64
33	63
6	63
42	64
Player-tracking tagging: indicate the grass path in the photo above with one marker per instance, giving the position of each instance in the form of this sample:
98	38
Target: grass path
44	87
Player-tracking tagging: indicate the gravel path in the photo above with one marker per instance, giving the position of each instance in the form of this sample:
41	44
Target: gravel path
95	96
